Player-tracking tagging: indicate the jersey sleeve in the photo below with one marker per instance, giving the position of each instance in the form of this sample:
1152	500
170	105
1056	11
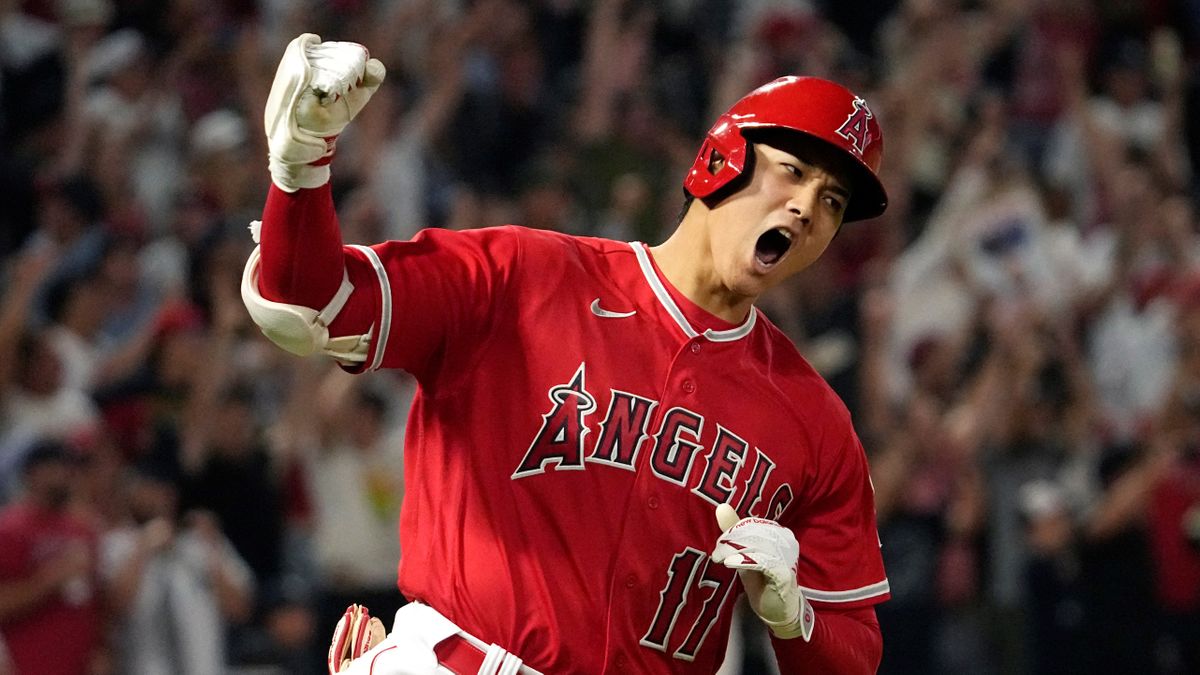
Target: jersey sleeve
436	297
843	641
840	562
422	302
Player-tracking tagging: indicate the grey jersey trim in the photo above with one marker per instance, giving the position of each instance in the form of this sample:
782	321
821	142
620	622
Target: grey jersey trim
878	588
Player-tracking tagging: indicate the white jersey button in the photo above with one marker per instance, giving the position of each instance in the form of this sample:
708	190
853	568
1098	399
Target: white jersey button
695	347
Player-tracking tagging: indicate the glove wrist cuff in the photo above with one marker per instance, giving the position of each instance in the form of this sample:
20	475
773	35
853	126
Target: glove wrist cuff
292	177
801	625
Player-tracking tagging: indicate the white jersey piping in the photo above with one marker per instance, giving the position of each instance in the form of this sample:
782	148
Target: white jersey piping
668	303
385	304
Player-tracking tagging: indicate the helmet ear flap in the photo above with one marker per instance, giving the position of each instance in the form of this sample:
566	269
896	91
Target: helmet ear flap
706	174
732	176
724	146
714	159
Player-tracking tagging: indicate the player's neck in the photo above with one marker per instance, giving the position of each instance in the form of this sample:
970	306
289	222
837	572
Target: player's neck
686	261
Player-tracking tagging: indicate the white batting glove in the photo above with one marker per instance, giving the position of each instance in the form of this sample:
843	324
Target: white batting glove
765	554
319	87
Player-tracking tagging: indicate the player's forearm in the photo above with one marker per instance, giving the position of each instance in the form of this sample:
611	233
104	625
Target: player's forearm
303	262
302	259
843	643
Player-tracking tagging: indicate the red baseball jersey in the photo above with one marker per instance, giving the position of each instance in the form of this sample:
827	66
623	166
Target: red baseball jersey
578	421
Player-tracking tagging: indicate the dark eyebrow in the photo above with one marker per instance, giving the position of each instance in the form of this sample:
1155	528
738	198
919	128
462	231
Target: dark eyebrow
837	189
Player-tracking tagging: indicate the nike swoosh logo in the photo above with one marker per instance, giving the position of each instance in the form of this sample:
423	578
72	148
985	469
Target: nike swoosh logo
604	313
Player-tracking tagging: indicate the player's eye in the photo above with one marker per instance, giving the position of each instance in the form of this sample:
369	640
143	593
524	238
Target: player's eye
835	203
794	170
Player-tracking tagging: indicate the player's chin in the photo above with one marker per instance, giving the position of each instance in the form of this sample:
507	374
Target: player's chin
750	276
752	282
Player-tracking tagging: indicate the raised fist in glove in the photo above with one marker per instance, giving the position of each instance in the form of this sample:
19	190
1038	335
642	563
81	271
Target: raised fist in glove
319	87
357	632
765	554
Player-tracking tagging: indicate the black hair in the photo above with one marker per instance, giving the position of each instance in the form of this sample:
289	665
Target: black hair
29	343
238	393
82	195
1054	387
46	451
822	151
62	289
158	468
688	198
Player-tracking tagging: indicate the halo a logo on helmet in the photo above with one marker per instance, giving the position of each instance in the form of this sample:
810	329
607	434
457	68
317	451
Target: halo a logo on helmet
855	129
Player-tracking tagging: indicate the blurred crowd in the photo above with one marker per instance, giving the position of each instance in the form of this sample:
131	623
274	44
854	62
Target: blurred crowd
1018	337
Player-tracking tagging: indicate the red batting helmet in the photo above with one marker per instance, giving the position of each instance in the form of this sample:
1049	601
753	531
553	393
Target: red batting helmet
819	108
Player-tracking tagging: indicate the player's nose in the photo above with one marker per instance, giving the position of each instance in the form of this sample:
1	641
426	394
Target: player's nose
801	203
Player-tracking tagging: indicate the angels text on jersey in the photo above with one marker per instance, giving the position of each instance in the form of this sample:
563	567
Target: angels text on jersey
734	471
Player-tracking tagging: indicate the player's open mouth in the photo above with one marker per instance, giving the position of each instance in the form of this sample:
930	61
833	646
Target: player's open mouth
772	246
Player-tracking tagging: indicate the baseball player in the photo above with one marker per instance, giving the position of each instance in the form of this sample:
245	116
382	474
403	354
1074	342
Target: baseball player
609	443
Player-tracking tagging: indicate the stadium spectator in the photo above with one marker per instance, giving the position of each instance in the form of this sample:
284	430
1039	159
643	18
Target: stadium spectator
49	571
175	583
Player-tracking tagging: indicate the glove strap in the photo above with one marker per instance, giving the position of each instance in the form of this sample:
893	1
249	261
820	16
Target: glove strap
291	177
802	626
